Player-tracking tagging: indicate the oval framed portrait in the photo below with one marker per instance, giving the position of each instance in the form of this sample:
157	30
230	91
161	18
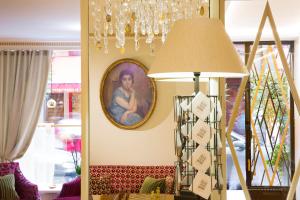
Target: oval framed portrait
127	94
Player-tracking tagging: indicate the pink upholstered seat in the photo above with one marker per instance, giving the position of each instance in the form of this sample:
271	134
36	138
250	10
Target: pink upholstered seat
25	189
130	178
70	190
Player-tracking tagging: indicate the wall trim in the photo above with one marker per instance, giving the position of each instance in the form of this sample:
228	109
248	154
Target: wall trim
45	45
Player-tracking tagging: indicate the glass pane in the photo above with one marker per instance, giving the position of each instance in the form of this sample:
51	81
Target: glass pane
238	134
270	106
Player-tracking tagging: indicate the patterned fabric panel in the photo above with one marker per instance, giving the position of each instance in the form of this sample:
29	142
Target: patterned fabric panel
130	178
100	185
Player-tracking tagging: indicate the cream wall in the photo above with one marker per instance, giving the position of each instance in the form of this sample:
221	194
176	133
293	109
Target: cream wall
297	117
152	143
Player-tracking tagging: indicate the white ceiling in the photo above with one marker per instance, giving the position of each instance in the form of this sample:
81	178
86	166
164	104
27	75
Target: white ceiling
243	18
59	20
50	20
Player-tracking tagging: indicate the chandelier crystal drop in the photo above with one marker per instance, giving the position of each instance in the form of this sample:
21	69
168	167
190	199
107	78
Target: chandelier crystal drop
138	19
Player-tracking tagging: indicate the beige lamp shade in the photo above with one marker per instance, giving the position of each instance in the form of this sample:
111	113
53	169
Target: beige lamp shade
197	45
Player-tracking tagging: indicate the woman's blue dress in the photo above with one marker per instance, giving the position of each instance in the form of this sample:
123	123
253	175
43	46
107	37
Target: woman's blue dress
117	111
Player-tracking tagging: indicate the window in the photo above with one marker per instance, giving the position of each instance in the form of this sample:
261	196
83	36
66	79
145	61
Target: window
56	144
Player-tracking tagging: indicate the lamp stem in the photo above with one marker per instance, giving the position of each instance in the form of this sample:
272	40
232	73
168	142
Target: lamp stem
196	82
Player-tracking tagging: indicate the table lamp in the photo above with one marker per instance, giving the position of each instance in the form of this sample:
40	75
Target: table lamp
199	47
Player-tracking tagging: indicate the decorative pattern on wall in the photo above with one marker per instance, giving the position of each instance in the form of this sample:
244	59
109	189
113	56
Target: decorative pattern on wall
130	178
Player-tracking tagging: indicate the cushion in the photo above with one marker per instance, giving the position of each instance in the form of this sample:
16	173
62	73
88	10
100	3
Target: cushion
151	184
100	185
169	185
7	187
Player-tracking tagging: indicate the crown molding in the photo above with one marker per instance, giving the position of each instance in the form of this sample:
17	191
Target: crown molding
45	45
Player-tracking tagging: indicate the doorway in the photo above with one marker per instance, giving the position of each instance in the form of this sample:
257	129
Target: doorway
269	123
264	129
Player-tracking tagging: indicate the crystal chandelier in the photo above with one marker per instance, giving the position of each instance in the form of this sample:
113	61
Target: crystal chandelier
147	19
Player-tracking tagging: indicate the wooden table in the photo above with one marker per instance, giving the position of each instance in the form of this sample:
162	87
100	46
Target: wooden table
133	196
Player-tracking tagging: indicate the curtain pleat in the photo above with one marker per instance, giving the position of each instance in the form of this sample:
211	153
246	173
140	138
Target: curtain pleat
23	79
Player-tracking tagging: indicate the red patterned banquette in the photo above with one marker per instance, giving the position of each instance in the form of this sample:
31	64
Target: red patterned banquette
130	178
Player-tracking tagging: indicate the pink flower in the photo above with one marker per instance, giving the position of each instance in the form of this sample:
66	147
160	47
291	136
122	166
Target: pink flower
73	145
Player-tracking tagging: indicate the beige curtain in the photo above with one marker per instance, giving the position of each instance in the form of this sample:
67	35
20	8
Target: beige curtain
23	79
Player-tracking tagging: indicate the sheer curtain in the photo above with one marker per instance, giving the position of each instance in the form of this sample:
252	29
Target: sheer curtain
23	78
38	162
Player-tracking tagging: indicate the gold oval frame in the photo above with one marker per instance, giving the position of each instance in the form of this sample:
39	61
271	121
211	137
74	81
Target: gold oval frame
154	92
